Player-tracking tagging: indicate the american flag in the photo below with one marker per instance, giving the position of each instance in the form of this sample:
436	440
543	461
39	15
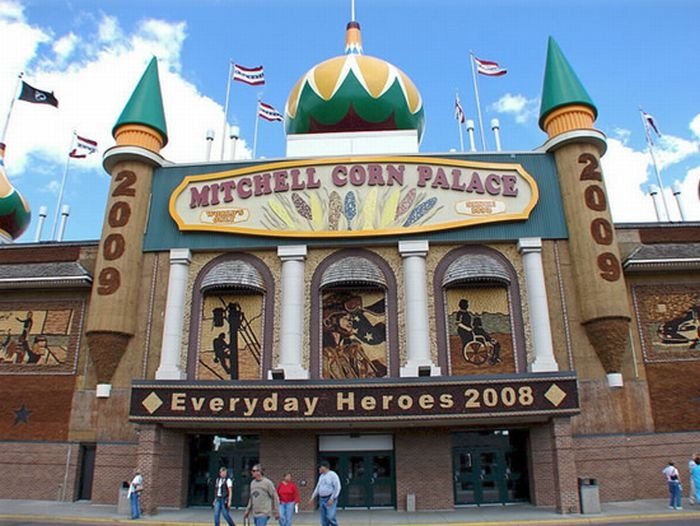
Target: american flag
250	76
489	68
459	112
268	112
650	123
83	147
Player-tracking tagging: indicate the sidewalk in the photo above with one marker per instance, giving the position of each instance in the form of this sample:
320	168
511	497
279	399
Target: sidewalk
77	512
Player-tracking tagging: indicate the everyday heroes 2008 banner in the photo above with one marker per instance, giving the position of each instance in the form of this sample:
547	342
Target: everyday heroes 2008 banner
363	196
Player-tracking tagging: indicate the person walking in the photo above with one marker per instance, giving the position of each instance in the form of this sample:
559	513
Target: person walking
223	491
134	495
289	499
263	501
695	479
674	486
327	490
692	464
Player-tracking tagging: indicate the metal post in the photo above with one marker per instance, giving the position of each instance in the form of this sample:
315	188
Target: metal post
43	212
496	128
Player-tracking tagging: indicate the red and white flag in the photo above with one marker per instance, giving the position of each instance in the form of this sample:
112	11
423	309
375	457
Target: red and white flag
650	123
459	112
83	147
268	112
489	68
250	76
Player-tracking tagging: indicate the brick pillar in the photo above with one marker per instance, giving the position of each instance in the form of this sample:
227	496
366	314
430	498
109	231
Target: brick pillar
147	463
564	467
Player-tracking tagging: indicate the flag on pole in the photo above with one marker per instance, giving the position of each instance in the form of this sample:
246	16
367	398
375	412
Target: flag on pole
37	96
250	76
459	112
489	68
83	147
650	123
268	112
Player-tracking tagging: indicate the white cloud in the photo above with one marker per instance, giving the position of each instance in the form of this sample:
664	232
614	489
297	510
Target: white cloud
623	134
92	89
64	47
11	11
695	125
690	195
625	172
671	150
523	109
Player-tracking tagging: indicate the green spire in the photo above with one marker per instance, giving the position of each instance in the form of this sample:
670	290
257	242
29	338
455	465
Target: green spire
146	104
561	85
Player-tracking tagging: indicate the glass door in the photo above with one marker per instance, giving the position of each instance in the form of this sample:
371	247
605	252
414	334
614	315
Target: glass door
480	476
367	478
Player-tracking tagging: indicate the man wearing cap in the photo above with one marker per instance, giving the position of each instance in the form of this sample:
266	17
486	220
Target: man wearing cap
327	490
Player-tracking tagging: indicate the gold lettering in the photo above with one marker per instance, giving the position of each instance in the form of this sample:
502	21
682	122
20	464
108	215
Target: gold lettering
386	399
446	401
269	404
197	403
232	403
368	403
291	405
426	401
250	404
343	400
177	402
216	404
310	403
405	402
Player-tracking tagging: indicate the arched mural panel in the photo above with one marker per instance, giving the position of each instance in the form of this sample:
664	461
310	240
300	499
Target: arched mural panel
354	333
480	334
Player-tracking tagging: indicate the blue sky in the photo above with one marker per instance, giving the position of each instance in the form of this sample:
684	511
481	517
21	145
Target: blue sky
627	53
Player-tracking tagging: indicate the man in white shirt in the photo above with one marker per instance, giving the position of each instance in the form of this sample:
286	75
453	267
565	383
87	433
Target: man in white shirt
223	490
134	495
327	490
674	486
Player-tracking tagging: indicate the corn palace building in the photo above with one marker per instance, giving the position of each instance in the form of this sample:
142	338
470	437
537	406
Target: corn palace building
446	329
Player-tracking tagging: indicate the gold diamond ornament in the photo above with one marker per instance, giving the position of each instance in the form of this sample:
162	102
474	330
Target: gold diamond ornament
555	395
152	402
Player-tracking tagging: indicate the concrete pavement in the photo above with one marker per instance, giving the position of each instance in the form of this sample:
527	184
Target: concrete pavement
85	512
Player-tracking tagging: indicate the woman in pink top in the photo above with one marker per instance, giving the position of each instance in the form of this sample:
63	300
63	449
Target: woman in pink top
289	498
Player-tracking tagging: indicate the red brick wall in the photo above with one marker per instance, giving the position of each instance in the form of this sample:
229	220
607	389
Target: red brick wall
674	389
424	467
294	452
38	470
114	463
628	467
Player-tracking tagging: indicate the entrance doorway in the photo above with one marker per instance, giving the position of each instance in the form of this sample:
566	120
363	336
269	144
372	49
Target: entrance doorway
490	467
208	453
87	471
367	478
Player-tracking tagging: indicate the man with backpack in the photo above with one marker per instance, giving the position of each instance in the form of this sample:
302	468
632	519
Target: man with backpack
223	491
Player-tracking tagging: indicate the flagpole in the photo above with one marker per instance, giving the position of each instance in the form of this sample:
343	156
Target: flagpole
653	163
9	111
459	123
478	104
228	92
255	134
63	185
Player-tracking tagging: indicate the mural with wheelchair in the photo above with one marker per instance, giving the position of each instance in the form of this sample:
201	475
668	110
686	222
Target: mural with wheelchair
230	337
354	334
479	331
669	321
38	337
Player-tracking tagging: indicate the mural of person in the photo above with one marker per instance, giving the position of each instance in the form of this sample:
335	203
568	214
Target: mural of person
464	322
27	324
480	332
221	353
234	316
347	328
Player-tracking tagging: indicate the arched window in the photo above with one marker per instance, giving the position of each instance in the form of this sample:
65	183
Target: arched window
479	318
231	323
353	317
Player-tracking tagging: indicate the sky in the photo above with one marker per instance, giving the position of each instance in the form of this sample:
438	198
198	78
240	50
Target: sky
628	54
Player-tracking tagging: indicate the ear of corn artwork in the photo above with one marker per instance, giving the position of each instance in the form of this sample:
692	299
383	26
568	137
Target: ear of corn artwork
391	208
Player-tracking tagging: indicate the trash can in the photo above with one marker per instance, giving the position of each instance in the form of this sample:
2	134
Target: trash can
411	502
589	495
123	504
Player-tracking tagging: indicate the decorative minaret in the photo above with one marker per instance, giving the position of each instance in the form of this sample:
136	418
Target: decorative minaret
14	210
140	133
567	115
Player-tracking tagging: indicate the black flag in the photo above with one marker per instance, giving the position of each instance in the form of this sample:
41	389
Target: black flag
31	94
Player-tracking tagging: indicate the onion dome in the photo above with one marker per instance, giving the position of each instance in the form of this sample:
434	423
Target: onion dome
14	210
354	92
